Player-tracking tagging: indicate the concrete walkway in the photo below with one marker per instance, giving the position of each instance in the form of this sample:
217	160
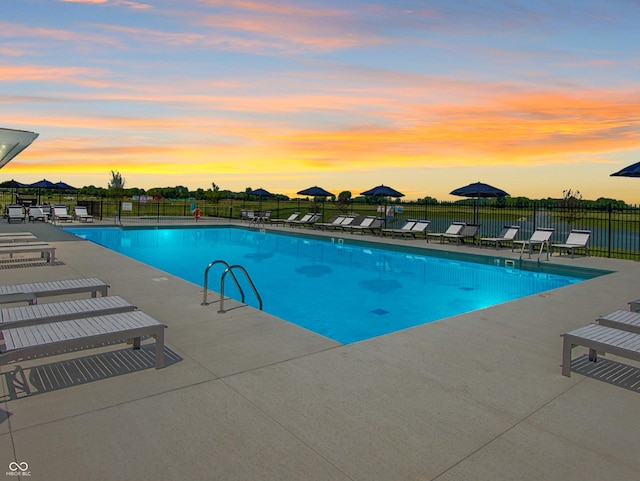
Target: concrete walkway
246	396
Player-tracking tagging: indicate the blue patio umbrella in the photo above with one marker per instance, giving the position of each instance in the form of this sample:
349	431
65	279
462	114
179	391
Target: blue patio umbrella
260	192
64	186
43	184
477	190
316	191
12	184
383	191
630	171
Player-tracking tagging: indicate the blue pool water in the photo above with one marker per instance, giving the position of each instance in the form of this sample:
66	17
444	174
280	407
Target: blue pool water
345	291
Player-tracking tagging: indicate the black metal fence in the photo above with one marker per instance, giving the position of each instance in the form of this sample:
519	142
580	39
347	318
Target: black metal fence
615	230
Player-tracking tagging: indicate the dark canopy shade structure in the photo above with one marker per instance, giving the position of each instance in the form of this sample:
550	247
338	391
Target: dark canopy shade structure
260	192
12	142
383	191
315	191
12	184
477	190
630	171
64	186
43	184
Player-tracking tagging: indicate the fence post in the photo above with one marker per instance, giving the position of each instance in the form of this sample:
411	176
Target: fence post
535	215
609	209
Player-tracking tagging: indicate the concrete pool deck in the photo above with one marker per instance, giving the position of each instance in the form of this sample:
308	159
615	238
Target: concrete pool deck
248	396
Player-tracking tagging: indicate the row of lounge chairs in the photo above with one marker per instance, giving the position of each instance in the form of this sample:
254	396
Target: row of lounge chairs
46	329
616	333
17	213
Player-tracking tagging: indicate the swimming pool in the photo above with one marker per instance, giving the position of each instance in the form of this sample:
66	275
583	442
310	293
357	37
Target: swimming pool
347	291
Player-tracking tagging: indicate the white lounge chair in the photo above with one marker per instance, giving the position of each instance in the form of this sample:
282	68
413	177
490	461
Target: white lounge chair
599	338
368	224
506	236
540	237
334	222
408	225
578	239
37	213
62	311
81	214
15	213
468	232
90	332
60	213
47	251
291	218
453	229
619	319
31	292
418	229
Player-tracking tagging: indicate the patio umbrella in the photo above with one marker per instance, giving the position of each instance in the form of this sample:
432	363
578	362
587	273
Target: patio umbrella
260	192
43	184
12	184
478	190
383	191
316	191
630	171
64	186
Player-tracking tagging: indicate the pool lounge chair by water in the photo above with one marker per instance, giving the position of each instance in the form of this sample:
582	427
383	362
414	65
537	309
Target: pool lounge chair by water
90	332
47	251
15	213
598	338
22	316
578	239
368	224
82	215
291	218
540	238
36	212
619	319
61	214
408	225
454	229
506	236
468	233
31	292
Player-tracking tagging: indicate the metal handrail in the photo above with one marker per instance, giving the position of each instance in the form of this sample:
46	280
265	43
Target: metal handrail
206	280
230	270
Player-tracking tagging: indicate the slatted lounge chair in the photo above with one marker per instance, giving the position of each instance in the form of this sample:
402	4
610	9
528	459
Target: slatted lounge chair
619	319
307	219
19	238
81	214
453	229
506	236
46	251
349	221
31	292
61	214
333	222
368	224
540	237
37	213
468	232
15	234
408	225
90	332
15	213
418	229
578	239
22	316
291	218
598	338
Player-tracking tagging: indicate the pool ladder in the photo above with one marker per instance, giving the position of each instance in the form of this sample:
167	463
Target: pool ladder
228	270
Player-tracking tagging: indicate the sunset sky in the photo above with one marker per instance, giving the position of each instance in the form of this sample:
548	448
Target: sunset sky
534	97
